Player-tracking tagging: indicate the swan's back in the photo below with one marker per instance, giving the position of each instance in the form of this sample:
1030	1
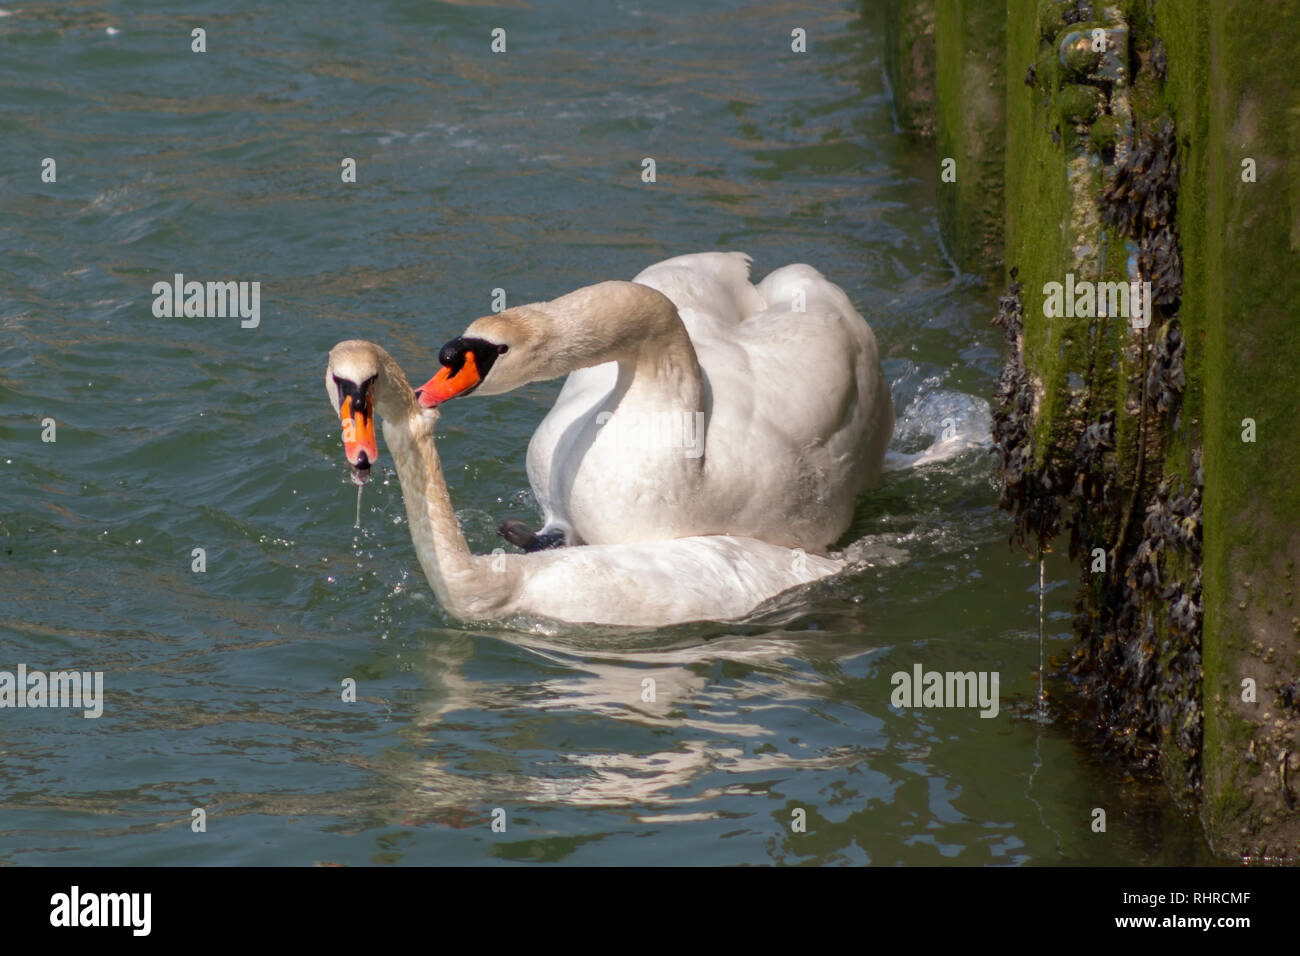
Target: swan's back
711	290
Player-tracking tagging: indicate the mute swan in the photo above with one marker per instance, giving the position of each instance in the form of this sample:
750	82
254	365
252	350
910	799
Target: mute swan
696	403
650	584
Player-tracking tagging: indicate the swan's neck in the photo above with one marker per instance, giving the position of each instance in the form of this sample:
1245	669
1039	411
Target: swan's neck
467	585
639	328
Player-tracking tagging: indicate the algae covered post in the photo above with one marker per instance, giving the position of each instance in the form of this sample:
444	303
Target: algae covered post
1147	215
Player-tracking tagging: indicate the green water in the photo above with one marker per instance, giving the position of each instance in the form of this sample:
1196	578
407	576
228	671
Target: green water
475	171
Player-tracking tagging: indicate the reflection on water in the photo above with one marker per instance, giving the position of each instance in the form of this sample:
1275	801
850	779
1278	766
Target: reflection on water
477	172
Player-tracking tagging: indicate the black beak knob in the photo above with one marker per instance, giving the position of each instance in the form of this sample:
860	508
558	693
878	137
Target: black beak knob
452	354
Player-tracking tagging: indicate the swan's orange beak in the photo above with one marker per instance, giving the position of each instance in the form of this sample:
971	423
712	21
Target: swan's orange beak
358	435
447	385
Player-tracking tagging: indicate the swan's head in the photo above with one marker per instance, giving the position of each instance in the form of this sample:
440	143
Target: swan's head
350	380
530	343
494	355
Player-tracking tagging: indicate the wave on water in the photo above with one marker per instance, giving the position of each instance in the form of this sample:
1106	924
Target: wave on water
939	425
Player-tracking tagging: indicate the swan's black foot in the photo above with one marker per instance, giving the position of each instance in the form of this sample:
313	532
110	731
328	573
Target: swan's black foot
522	536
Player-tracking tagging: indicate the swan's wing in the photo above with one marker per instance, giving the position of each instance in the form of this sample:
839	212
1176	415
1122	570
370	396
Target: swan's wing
799	400
711	290
813	341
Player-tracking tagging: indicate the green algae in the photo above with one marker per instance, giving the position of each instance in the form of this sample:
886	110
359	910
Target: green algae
1221	256
971	130
1079	104
1228	81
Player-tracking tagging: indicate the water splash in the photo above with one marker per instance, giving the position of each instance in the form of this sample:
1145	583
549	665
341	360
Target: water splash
938	425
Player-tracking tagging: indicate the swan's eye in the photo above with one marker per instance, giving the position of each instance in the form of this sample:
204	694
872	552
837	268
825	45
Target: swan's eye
502	349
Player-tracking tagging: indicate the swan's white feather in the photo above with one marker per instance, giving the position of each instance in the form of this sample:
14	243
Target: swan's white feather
798	416
718	577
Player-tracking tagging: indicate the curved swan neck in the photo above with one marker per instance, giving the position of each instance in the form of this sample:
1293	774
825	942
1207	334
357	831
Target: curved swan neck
460	578
631	324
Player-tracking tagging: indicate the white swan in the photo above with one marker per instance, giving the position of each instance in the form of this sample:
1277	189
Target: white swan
696	402
650	584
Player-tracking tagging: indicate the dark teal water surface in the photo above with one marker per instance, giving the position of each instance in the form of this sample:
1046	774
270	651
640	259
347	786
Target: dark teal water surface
475	171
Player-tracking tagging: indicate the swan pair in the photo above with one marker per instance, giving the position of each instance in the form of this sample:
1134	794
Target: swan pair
707	446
